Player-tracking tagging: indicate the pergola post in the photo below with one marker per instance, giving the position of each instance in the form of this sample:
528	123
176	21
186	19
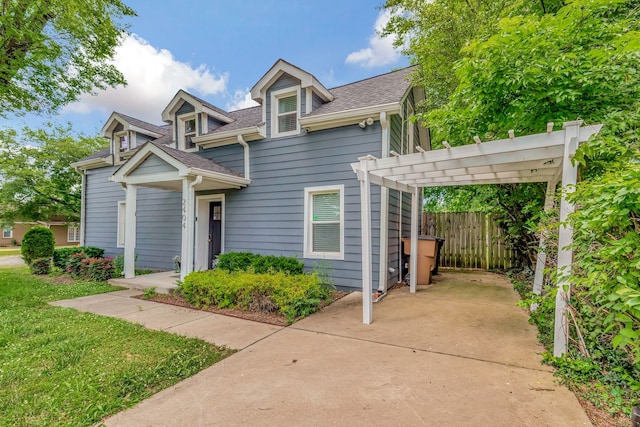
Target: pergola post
542	256
365	225
130	231
565	238
413	266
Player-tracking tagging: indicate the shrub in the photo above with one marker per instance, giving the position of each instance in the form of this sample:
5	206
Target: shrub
99	269
61	255
75	267
246	261
40	266
38	242
235	261
293	296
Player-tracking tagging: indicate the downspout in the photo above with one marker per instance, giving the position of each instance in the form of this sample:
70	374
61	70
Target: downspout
384	211
247	160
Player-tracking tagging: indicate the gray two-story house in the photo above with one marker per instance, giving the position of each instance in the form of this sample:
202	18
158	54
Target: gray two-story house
272	179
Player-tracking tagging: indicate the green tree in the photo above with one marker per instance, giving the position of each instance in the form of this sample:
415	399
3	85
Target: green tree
52	51
579	61
37	181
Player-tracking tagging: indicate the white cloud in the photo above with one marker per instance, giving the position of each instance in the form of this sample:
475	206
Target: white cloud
380	51
241	99
153	76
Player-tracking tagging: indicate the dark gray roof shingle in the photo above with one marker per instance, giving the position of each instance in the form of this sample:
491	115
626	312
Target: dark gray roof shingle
192	160
378	90
244	118
162	130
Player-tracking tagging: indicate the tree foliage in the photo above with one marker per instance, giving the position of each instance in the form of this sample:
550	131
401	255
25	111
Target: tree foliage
37	181
52	51
579	60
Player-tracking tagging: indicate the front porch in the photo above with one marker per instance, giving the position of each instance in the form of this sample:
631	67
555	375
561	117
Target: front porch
165	282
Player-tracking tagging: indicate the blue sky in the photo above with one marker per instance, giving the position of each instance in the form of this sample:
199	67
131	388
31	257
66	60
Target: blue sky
219	49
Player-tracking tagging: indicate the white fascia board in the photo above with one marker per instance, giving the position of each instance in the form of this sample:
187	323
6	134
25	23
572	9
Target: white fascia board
220	139
216	176
281	66
105	132
93	163
342	118
144	131
151	178
181	95
140	156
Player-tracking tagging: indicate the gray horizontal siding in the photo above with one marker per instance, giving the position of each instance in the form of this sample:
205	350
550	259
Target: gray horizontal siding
158	220
153	164
185	108
268	216
142	138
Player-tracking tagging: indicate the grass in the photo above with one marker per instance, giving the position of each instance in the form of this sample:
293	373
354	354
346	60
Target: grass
61	367
9	251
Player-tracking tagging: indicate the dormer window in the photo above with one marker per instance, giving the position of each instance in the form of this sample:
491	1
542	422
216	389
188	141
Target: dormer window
284	112
187	131
123	142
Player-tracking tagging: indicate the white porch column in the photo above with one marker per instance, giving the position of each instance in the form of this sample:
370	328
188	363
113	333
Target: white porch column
130	231
565	238
383	271
413	270
188	227
365	226
542	256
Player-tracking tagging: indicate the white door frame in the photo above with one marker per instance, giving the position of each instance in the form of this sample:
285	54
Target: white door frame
202	229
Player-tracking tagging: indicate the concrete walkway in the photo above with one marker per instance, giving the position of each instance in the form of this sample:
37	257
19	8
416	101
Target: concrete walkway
458	353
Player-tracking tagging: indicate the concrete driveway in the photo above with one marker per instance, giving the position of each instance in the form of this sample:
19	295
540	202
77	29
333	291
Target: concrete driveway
458	353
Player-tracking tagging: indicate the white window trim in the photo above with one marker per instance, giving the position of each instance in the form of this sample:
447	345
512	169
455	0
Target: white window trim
308	210
181	135
10	232
275	96
120	233
117	137
74	239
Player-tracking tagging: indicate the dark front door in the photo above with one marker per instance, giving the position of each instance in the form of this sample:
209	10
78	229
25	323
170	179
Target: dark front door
215	231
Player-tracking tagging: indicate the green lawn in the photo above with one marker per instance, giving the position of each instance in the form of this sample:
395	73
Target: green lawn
9	251
62	367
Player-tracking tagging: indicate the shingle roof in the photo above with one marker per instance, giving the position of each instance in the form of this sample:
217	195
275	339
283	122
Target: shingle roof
378	90
192	160
163	130
97	155
244	118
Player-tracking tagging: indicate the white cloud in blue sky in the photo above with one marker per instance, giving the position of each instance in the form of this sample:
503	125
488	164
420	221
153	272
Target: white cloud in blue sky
153	76
380	51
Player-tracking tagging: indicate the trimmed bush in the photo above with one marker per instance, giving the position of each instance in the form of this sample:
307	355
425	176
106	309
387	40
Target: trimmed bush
75	266
40	266
99	269
38	242
293	296
61	255
261	264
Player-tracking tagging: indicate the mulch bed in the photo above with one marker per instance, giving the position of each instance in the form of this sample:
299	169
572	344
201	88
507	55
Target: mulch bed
257	316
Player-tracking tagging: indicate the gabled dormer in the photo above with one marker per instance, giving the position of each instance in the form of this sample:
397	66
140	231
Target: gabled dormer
287	93
192	117
127	133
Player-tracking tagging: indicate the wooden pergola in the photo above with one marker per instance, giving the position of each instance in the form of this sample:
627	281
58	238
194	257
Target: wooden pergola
544	157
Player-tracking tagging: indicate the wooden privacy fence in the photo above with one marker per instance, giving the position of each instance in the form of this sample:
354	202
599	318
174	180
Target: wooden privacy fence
472	240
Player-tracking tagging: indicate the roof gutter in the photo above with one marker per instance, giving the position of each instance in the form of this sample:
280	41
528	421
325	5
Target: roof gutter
247	160
342	118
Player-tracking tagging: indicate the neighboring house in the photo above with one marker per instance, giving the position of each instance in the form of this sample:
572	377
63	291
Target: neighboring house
66	234
272	179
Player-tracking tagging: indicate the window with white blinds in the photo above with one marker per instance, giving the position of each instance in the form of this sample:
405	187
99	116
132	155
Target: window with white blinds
324	222
284	112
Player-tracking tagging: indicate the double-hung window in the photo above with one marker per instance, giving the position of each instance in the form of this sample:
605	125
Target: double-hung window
324	222
284	112
189	132
7	232
73	233
123	142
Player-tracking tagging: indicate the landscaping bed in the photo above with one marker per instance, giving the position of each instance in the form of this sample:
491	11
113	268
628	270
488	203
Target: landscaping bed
256	316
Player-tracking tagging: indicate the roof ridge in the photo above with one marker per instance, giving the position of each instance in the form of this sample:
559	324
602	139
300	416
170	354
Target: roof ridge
374	77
